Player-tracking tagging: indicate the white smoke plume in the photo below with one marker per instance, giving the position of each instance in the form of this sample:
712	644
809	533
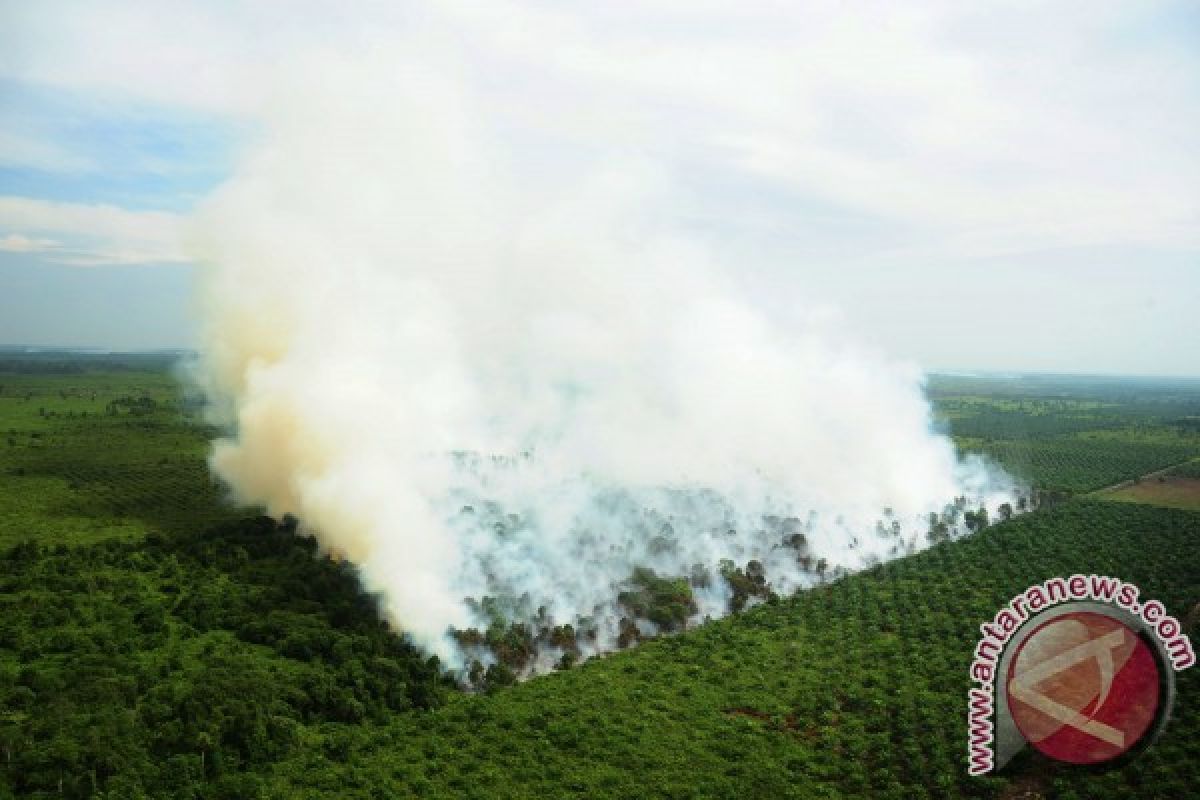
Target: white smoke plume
472	378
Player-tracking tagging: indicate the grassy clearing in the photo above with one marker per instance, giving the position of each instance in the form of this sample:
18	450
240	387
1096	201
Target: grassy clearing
1170	492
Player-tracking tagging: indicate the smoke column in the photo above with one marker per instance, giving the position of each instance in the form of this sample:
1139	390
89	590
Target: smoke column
470	379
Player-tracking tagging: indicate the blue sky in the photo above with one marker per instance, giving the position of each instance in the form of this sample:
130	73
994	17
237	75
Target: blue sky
995	186
109	150
92	282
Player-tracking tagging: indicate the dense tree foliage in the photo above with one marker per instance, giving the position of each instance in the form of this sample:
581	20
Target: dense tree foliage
1080	465
156	665
1189	470
156	643
854	689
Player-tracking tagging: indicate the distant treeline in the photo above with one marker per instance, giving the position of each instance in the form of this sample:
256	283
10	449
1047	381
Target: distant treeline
73	362
1126	390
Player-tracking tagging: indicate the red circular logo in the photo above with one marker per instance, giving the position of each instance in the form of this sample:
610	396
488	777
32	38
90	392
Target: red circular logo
1083	688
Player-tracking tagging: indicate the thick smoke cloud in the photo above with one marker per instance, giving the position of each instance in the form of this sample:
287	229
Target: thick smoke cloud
474	378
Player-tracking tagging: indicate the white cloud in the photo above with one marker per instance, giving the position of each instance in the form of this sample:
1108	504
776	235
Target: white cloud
978	125
16	243
90	235
967	122
969	129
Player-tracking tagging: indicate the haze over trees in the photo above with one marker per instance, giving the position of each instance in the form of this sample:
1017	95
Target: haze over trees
156	642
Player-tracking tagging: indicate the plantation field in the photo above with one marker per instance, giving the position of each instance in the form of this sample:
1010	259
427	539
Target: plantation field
1067	435
234	664
95	454
1073	465
856	690
157	643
